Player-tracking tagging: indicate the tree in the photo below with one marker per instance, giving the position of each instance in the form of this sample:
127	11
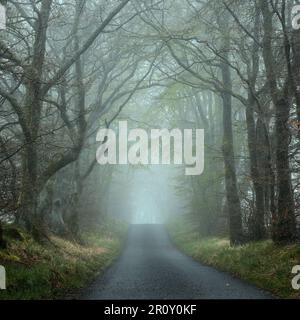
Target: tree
284	229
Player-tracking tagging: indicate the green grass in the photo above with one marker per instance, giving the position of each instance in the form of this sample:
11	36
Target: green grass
35	271
264	264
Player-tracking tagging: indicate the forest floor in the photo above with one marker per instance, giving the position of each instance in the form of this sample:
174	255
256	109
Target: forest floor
35	271
263	264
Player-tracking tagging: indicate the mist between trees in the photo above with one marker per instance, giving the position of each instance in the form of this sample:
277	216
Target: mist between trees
229	67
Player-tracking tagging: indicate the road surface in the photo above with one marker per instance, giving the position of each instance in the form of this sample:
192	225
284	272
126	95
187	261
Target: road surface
150	267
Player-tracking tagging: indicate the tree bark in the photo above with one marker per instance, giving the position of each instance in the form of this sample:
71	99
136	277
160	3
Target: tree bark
233	201
258	230
284	221
2	241
32	113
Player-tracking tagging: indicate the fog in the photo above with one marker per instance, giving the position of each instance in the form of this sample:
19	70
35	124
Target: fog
145	195
68	69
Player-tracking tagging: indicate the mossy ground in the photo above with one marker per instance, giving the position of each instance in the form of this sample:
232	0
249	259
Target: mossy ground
36	271
264	264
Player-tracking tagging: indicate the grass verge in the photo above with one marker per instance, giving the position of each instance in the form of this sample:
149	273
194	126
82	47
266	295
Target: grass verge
263	264
34	271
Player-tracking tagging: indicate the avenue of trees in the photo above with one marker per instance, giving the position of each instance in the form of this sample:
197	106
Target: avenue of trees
231	67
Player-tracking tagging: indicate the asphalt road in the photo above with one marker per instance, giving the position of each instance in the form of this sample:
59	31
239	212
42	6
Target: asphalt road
150	267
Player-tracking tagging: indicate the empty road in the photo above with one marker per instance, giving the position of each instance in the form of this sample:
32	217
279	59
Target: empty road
150	267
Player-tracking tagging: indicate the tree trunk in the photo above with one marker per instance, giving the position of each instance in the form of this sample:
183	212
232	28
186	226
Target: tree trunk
258	230
285	222
74	219
32	114
233	201
265	169
296	71
2	241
